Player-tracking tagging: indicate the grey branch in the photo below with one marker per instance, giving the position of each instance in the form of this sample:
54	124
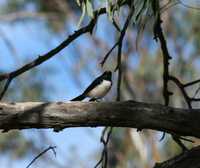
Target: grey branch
187	159
132	114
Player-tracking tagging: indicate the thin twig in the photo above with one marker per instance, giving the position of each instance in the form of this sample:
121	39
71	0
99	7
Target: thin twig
10	76
5	88
123	32
181	87
119	55
61	46
104	155
51	53
158	34
105	137
192	83
120	40
116	25
87	29
108	54
42	153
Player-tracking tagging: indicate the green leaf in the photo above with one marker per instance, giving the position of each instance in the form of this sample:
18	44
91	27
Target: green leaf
82	15
89	8
78	2
109	11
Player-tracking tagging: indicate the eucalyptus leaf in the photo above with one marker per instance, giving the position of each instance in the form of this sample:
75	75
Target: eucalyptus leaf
82	15
78	2
89	8
109	10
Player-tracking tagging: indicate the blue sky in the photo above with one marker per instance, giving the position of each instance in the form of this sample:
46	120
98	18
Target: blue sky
30	40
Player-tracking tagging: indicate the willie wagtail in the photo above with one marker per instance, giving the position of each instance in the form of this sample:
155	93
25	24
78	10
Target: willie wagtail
98	88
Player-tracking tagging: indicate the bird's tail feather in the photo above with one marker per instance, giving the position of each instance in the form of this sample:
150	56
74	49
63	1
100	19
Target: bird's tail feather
79	98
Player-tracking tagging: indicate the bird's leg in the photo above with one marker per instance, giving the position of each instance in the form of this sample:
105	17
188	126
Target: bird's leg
95	99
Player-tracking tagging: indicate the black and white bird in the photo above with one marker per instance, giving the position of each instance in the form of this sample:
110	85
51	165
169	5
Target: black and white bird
98	88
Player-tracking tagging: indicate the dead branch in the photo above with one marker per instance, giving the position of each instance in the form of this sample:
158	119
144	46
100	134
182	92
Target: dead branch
91	114
187	159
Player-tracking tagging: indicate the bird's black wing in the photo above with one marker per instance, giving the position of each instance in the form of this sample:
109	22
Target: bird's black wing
78	98
96	82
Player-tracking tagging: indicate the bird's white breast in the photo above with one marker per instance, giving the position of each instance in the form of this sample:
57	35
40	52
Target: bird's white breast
100	90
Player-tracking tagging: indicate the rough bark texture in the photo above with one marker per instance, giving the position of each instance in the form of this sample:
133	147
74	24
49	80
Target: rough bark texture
83	114
188	159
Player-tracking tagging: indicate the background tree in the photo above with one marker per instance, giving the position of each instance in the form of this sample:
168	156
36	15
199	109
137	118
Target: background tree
41	25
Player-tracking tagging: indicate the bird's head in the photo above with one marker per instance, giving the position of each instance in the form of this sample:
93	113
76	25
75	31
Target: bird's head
107	75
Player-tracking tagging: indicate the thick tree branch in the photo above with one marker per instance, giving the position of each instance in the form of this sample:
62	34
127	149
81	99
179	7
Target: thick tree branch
116	114
187	159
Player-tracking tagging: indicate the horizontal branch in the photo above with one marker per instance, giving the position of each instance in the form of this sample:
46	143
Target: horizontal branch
89	114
